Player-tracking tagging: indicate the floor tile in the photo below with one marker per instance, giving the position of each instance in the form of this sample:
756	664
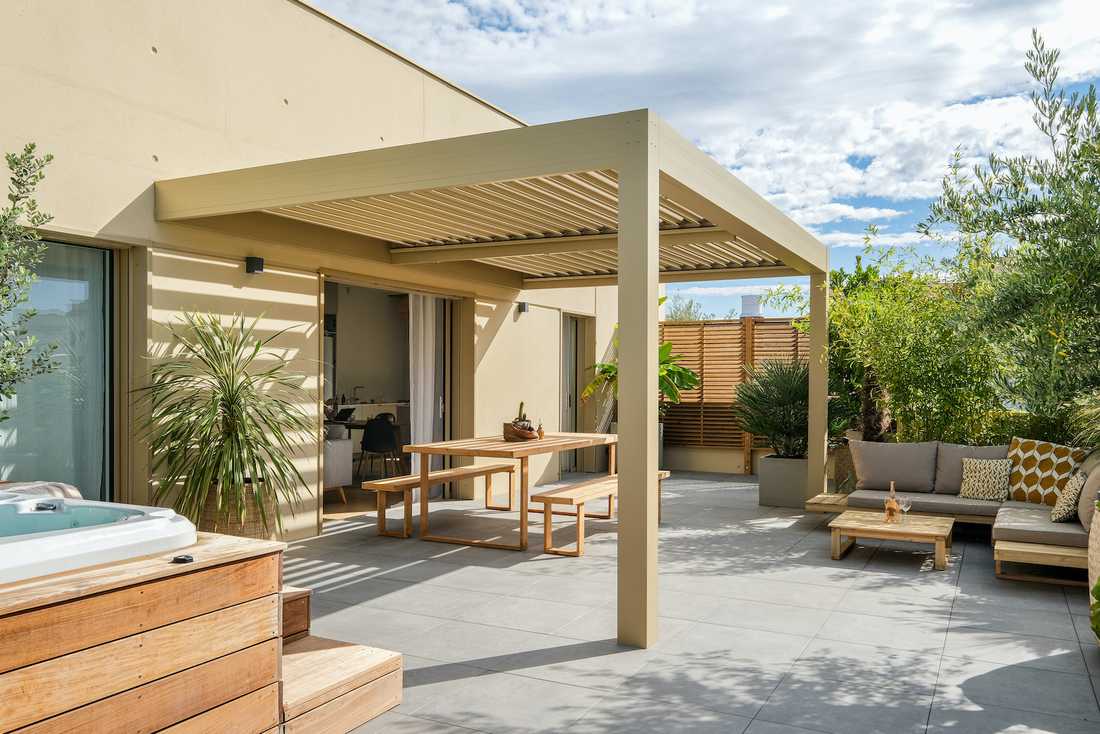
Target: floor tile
1007	618
986	683
977	719
394	722
868	707
908	634
633	714
503	702
770	617
1011	648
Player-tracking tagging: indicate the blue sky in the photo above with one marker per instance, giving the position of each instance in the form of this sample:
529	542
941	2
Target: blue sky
843	114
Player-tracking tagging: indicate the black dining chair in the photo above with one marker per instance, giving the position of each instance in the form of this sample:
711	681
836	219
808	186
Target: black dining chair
381	440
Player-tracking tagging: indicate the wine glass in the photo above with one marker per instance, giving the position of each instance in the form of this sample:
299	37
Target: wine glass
905	502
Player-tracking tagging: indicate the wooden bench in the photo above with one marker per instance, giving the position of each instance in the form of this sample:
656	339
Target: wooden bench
406	484
576	496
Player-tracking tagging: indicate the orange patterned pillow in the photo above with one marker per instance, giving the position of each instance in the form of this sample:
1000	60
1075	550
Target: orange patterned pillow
1040	470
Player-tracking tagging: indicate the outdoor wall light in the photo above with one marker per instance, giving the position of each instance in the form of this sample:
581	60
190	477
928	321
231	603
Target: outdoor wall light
253	264
523	306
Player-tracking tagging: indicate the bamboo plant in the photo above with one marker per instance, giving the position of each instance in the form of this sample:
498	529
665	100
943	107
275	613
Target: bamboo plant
223	408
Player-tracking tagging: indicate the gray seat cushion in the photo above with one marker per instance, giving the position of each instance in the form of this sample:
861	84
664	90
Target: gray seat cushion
1030	523
945	504
949	458
911	466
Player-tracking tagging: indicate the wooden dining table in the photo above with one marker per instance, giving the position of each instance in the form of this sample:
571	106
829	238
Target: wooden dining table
495	447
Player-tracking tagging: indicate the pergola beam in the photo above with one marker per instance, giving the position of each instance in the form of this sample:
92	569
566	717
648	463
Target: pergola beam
590	143
694	179
543	246
665	276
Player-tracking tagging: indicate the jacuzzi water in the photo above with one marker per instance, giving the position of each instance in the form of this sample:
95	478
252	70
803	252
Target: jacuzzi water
45	535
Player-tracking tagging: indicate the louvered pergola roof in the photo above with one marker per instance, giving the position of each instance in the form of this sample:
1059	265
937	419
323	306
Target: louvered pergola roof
554	228
619	199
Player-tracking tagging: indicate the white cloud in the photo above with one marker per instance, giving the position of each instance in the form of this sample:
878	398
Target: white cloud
818	106
857	239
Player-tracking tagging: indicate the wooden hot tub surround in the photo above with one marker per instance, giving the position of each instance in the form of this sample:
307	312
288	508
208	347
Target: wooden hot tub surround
148	645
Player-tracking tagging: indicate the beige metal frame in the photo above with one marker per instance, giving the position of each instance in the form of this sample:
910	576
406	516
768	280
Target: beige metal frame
618	199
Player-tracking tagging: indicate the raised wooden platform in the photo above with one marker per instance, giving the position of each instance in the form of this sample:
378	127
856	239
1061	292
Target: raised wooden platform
333	686
146	645
296	612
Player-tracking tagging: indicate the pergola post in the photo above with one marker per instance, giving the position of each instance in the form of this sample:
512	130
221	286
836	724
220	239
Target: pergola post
819	384
638	265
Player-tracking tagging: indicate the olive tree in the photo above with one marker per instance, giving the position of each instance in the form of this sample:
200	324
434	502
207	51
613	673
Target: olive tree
21	251
1029	252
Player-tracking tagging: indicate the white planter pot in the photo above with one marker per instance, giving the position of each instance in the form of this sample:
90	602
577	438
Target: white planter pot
782	482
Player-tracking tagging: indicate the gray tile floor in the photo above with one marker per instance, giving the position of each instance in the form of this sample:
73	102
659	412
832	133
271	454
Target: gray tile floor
760	631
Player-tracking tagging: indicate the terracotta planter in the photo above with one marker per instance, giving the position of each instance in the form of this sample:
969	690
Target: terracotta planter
212	521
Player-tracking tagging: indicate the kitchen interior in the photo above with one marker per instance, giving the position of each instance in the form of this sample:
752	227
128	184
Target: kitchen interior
384	384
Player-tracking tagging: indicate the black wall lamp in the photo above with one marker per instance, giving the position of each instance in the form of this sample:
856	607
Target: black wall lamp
253	264
523	306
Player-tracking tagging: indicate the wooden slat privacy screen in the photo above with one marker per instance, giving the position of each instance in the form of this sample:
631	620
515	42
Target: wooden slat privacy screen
718	351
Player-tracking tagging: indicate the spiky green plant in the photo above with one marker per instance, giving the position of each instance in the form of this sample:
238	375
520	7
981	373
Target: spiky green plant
774	404
223	407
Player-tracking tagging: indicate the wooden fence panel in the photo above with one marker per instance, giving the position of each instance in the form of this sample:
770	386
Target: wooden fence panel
718	351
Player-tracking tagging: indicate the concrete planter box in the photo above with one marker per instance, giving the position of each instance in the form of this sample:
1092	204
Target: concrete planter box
782	481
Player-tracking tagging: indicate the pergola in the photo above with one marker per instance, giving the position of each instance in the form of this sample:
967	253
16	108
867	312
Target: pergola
618	199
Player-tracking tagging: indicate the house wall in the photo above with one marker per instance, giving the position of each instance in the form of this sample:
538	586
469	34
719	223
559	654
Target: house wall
127	92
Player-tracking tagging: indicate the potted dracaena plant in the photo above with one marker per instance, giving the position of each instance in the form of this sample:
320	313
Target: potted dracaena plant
224	409
774	404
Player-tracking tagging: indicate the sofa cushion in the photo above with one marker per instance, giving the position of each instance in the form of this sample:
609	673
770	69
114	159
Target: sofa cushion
911	466
1032	524
1086	503
939	504
949	469
985	479
1065	509
1040	469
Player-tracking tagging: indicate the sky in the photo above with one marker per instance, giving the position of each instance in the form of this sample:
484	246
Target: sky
842	114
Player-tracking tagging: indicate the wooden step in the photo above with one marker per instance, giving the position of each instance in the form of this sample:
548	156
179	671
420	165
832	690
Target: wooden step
295	612
333	686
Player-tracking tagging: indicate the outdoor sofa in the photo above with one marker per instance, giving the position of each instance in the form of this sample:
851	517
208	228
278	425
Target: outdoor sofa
930	474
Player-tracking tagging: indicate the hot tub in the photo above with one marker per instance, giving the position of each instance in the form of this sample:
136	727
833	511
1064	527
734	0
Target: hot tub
44	535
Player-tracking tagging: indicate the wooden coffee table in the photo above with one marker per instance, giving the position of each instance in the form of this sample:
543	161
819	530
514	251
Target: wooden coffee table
855	524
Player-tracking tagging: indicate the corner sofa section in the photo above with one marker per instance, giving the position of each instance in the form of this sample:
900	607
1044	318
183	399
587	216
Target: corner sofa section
930	474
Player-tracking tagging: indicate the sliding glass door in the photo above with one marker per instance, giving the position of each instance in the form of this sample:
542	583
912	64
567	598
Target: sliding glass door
59	424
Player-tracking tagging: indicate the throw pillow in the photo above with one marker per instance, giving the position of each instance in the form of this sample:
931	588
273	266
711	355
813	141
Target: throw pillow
1086	506
1040	469
1065	509
985	479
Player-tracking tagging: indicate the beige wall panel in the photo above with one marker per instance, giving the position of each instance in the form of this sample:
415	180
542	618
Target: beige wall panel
518	357
281	299
118	115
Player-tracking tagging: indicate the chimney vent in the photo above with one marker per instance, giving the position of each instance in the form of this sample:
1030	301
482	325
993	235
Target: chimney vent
750	305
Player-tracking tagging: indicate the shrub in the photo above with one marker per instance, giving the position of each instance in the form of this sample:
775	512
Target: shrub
774	405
